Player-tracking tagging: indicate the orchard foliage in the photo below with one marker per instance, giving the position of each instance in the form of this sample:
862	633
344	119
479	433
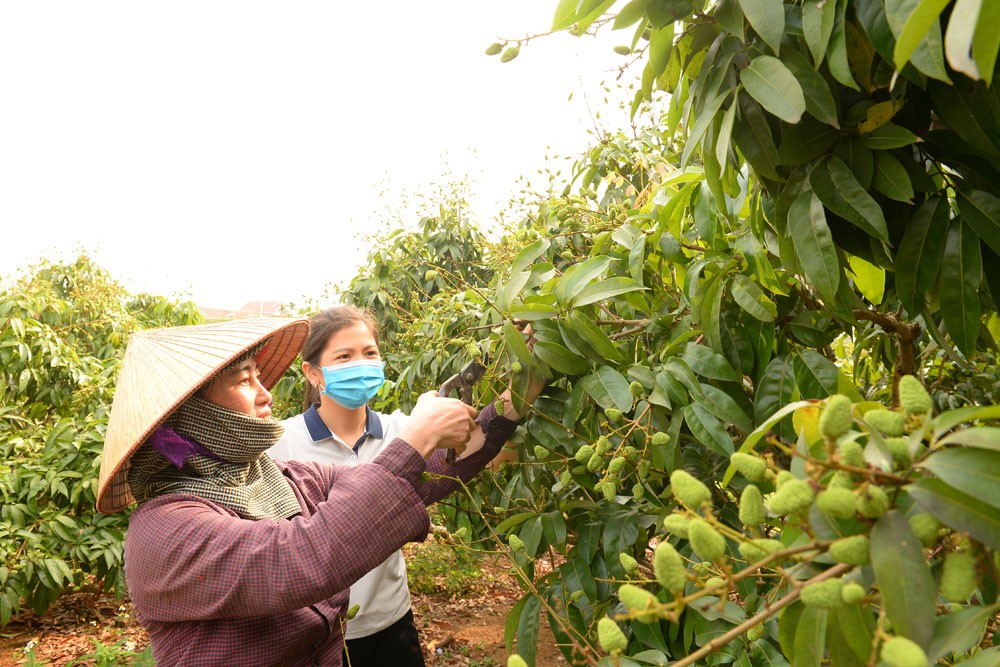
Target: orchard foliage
62	330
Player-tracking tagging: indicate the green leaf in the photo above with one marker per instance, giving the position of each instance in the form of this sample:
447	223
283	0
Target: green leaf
817	26
753	136
813	243
710	311
528	626
819	99
982	211
529	254
725	134
724	407
709	364
514	340
840	192
924	17
752	299
767	17
959	631
891	178
908	590
776	389
770	82
958	37
815	375
533	312
856	626
958	510
928	56
985	437
589	336
918	260
707	429
577	277
559	359
970	470
608	388
630	14
988	658
868	278
810	638
887	137
986	41
836	50
946	421
565	14
961	275
604	289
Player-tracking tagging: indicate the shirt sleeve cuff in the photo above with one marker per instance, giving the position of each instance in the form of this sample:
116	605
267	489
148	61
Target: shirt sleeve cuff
402	460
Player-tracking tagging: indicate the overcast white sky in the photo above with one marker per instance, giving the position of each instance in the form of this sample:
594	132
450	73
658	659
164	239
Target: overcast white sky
231	151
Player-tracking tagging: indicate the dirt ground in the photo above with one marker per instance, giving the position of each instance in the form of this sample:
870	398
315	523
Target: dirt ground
466	632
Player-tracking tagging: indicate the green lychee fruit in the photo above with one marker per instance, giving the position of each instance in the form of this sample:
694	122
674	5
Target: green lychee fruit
629	564
660	439
873	502
677	524
638	491
852	454
853	550
691	492
836	418
900	450
610	636
853	593
584	453
903	652
494	49
515	542
926	527
509	54
636	598
636	389
614	415
353	611
541	453
958	577
758	549
752	512
913	398
668	566
837	502
595	462
622	50
824	594
609	490
749	466
616	464
887	422
602	446
516	661
706	541
794	496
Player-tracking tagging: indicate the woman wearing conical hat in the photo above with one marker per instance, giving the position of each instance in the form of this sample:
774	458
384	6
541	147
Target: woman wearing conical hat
230	557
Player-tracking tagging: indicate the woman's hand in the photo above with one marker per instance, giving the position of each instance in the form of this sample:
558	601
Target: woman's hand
439	423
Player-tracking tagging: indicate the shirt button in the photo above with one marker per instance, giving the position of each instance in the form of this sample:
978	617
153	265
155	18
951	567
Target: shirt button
354	457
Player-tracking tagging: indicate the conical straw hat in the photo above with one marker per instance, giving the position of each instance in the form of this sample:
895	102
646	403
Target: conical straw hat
162	368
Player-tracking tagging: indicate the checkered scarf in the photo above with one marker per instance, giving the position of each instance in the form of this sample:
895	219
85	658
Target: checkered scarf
240	476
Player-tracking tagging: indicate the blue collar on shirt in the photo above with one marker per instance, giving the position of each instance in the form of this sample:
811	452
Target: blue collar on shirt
319	430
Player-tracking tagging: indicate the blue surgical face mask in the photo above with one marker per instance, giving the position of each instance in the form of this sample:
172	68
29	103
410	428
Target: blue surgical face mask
355	383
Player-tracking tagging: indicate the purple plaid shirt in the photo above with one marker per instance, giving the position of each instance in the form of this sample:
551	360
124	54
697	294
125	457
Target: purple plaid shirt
214	589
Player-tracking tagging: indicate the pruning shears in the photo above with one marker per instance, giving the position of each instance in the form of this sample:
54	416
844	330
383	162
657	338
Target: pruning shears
464	381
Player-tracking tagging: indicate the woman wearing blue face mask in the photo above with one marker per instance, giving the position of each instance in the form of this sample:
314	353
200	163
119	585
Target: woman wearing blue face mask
344	370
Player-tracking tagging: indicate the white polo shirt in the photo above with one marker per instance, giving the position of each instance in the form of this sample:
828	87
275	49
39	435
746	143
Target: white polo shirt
382	594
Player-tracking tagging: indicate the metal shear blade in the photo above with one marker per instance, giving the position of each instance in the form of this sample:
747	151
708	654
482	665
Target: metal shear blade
464	381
